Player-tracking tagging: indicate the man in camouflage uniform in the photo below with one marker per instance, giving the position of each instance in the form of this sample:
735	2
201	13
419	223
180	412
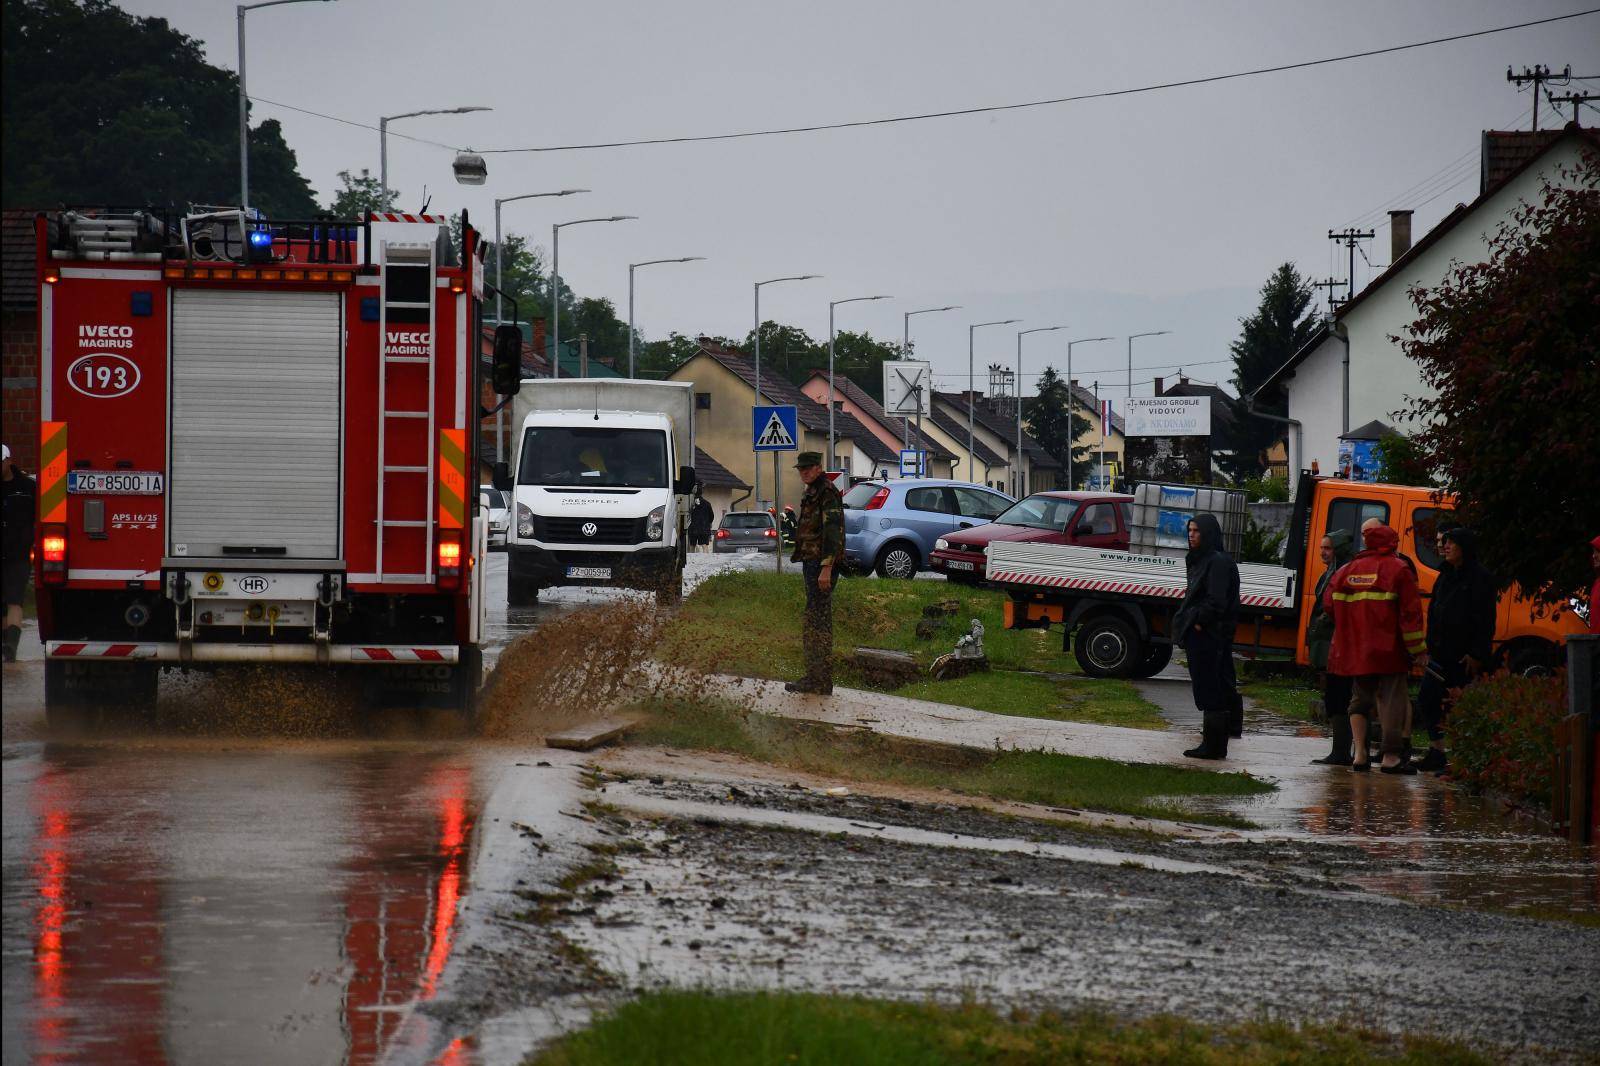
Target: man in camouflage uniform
819	549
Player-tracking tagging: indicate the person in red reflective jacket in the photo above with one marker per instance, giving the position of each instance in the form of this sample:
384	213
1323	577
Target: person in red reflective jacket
1378	633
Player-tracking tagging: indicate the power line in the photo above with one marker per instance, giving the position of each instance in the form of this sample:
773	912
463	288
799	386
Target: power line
353	122
1078	98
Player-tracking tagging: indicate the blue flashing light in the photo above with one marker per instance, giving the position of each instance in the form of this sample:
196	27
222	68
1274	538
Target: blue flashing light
260	238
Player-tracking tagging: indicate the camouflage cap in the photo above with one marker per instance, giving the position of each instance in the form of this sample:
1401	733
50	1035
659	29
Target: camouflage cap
807	459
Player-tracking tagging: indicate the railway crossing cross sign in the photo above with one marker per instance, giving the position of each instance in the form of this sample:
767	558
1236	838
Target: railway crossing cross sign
774	428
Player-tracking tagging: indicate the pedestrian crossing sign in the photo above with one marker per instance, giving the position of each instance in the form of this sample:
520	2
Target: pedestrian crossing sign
773	428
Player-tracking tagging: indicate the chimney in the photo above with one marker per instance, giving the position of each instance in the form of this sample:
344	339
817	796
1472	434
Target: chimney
583	355
1158	386
1399	234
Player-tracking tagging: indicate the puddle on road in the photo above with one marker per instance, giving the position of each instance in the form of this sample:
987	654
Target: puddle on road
204	905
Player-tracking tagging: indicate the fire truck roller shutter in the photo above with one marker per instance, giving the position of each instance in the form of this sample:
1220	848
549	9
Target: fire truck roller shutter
255	423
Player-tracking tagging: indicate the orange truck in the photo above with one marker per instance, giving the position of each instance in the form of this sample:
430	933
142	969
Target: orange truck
1116	608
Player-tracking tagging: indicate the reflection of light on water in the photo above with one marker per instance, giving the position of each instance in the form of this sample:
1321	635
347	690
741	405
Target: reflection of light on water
447	895
49	967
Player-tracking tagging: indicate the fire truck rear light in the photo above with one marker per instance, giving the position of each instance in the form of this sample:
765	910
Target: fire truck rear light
221	273
53	554
245	275
200	272
316	275
341	275
51	277
294	275
173	272
449	559
458	285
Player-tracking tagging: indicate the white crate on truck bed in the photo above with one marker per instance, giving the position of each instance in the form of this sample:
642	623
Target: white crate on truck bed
1161	516
1117	573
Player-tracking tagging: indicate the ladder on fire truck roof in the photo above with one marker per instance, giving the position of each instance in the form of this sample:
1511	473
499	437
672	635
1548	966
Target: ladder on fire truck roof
404	292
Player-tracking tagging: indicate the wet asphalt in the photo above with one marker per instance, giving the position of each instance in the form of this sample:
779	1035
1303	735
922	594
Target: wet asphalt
258	881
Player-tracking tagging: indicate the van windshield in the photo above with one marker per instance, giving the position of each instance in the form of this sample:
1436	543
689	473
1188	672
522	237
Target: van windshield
599	458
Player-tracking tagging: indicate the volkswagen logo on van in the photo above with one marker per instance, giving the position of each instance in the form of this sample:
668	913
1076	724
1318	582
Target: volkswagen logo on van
590	529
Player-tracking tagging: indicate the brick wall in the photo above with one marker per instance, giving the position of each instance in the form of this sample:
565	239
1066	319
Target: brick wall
19	336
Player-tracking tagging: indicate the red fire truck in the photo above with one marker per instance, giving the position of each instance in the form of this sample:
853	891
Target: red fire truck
259	445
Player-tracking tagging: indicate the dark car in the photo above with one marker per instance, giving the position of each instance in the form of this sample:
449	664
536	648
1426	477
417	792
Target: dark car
1085	519
745	531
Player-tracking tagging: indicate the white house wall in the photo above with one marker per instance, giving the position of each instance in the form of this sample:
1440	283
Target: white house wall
1314	398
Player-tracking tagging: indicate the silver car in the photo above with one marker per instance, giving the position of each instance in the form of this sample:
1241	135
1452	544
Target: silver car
742	531
493	502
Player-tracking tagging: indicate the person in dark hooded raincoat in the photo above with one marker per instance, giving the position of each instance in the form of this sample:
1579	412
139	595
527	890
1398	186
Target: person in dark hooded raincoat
1335	548
1204	627
1460	634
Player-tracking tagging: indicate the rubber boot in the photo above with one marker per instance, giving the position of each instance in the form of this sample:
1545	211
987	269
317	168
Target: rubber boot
1213	737
13	638
1236	716
1341	755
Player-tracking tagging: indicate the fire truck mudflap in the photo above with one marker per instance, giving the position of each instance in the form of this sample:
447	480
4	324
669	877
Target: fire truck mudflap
258	447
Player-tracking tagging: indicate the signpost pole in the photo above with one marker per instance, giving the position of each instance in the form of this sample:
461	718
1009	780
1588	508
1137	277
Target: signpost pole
777	510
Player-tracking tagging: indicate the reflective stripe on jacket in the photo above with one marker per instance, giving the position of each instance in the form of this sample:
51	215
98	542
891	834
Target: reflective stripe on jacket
1376	610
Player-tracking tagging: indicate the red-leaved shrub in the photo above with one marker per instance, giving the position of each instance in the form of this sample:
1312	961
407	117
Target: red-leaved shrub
1502	734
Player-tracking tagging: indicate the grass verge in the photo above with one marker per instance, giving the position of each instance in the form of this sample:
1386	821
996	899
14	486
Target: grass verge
710	1029
1045	778
748	623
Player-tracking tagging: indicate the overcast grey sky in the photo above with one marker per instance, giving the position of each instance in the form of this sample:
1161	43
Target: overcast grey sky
1158	211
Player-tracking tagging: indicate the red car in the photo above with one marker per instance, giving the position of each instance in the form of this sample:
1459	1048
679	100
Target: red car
1086	519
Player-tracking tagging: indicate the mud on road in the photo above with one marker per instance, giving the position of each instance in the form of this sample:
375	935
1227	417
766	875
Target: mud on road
704	897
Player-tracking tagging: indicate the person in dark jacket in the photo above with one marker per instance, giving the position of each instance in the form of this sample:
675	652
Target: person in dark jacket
1460	634
1319	640
1204	628
700	519
20	502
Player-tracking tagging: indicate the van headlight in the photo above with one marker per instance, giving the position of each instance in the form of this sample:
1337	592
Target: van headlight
941	545
524	521
653	524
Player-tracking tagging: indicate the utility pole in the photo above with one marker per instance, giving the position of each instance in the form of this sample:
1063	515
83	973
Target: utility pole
1538	76
1350	238
1577	100
1329	283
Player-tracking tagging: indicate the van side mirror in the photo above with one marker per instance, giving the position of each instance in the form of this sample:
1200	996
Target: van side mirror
506	372
500	477
686	481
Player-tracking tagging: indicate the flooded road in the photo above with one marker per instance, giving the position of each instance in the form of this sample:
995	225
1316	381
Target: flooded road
250	883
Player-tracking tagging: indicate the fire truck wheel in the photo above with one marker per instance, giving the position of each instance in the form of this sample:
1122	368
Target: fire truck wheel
1156	657
521	592
1107	646
67	710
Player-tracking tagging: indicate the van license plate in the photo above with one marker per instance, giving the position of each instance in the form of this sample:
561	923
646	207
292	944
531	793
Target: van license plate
115	482
958	564
601	573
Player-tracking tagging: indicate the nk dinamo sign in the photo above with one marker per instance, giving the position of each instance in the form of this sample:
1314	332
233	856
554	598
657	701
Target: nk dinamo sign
1168	416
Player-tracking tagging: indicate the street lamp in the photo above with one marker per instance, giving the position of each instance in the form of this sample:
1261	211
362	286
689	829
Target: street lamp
244	100
1017	485
631	268
831	305
972	449
383	140
498	261
905	347
555	283
1073	399
770	281
1131	336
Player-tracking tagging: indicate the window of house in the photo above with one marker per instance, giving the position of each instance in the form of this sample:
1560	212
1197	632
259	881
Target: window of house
702	401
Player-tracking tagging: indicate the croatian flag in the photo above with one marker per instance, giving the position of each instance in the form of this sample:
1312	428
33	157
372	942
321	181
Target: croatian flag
1105	418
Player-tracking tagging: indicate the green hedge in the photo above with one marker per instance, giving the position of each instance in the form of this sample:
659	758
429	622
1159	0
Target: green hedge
1502	734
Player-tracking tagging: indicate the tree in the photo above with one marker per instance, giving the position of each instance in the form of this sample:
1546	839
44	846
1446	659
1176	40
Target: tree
1054	421
785	349
1507	347
1280	326
100	107
358	195
860	357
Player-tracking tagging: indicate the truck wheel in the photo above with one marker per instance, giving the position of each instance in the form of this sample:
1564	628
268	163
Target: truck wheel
898	560
1107	646
1532	658
68	712
81	695
1156	657
520	592
671	592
